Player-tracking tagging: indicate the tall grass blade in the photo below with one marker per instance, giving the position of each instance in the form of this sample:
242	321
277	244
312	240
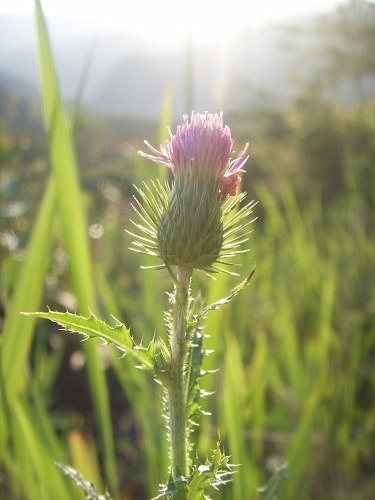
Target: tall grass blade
50	482
83	456
234	410
81	86
18	330
166	118
69	199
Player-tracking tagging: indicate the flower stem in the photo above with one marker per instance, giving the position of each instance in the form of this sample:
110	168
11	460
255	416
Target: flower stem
178	425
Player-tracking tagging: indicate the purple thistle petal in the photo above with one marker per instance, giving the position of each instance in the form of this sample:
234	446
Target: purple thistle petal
202	146
235	165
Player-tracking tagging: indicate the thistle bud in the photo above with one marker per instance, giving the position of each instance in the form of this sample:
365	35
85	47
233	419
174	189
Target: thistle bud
190	231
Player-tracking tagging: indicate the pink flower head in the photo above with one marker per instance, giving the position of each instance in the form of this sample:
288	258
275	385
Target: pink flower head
202	148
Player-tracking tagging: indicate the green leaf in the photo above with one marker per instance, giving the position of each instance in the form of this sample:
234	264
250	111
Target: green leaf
87	487
92	327
212	474
236	290
271	490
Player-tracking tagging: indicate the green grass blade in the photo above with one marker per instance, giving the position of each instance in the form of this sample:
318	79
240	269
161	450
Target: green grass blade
83	456
234	410
166	118
65	169
69	199
50	482
81	87
27	294
18	330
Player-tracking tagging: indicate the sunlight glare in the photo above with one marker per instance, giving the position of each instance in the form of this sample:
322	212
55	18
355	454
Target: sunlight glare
166	22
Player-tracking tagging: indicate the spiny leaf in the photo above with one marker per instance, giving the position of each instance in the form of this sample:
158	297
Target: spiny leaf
87	487
215	305
119	335
213	473
175	488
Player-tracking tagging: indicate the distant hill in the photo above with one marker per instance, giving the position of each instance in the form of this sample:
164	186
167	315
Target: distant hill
126	79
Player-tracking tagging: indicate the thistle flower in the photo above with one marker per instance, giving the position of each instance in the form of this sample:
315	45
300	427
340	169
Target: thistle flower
201	148
189	224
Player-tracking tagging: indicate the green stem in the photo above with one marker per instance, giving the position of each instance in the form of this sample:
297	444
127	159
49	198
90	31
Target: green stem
178	425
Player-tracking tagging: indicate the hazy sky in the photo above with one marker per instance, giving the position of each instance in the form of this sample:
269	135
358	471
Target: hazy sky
165	21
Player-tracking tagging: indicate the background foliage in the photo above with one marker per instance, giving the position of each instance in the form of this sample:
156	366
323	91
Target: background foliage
295	350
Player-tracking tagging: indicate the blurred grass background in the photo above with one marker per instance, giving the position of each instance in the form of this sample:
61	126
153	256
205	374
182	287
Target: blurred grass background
295	350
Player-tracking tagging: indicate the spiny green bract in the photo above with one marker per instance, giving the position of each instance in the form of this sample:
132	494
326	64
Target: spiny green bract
191	243
191	229
213	473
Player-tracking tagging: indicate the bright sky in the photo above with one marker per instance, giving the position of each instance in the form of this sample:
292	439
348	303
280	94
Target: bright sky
165	21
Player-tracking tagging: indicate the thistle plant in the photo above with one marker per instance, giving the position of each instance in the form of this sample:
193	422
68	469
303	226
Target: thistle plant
190	226
194	223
